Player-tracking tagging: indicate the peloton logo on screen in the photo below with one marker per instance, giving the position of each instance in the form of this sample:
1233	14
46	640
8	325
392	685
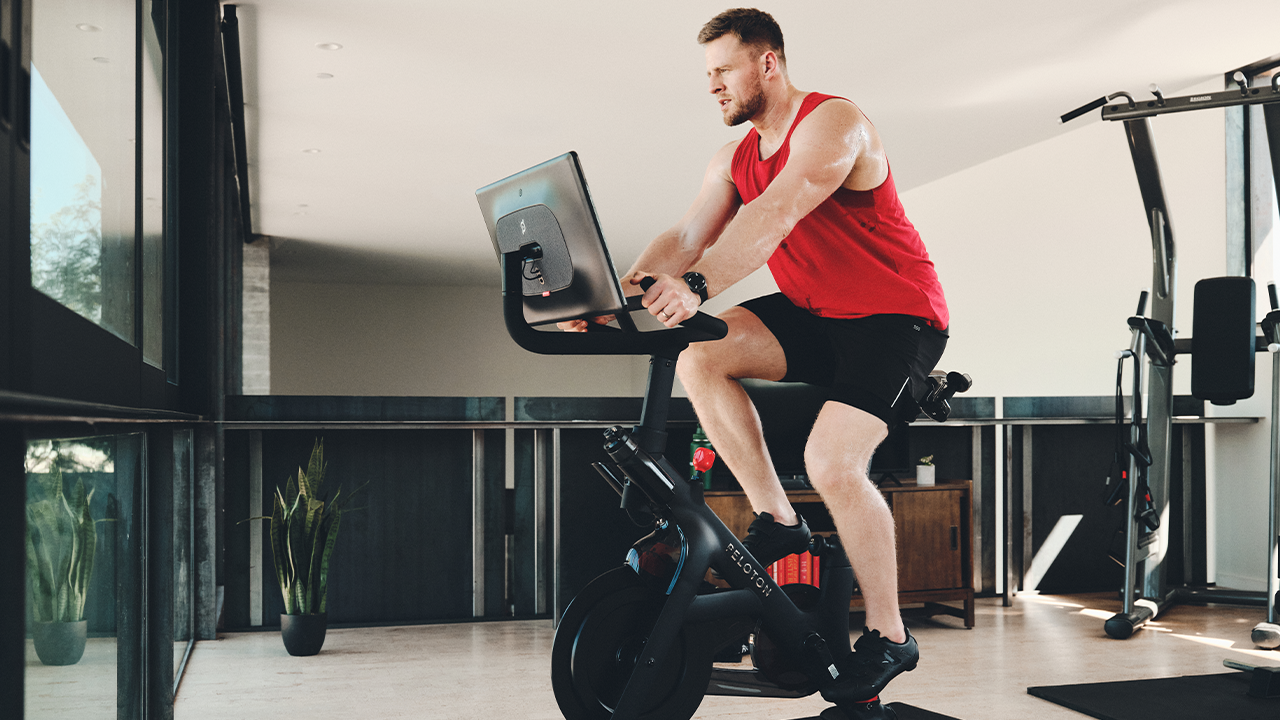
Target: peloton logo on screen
754	578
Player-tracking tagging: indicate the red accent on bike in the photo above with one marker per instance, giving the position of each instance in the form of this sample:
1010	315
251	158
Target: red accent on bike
703	459
546	294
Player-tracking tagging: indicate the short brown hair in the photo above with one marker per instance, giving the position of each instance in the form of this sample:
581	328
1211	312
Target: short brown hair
751	26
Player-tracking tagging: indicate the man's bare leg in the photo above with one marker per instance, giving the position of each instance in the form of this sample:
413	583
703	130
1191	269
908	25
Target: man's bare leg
710	372
837	457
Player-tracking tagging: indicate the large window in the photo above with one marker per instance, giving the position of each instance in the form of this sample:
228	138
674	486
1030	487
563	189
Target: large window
97	165
83	158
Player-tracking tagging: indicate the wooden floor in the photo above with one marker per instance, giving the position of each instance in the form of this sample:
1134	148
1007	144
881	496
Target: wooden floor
501	669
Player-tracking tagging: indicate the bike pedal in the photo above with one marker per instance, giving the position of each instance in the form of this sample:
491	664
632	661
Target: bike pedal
865	710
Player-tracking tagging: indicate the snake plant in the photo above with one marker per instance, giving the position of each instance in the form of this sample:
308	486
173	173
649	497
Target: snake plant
61	543
304	528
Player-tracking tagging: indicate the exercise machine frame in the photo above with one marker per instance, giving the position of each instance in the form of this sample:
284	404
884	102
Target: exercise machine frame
1146	593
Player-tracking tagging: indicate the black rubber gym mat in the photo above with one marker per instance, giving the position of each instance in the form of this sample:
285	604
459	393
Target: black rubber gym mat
906	712
911	712
1221	695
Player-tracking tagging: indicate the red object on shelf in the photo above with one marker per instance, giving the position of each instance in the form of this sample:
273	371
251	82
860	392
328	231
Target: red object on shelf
703	459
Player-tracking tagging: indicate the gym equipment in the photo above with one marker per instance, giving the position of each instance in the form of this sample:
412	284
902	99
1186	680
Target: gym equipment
639	641
1222	369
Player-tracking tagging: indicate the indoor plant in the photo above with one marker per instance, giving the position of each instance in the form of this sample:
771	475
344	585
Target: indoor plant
61	544
304	527
925	471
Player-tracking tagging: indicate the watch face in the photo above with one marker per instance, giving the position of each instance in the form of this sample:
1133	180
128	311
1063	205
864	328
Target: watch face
697	283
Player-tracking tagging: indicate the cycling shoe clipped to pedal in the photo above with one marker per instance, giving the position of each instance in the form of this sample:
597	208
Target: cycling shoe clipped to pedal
865	710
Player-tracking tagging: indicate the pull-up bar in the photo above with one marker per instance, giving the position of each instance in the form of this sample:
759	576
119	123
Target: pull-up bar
1244	95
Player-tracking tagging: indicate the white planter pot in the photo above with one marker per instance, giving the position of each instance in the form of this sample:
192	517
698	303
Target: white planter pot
924	474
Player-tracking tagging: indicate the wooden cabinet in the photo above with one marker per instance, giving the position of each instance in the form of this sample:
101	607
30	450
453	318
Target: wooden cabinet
934	540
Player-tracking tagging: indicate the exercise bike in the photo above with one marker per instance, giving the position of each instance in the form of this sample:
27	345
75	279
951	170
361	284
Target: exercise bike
639	641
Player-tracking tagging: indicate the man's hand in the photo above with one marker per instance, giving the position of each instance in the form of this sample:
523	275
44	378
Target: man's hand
669	298
581	325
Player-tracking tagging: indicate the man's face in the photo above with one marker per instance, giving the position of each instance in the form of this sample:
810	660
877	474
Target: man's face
733	72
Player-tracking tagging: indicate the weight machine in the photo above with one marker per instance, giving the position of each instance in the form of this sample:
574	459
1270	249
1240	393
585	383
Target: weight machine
1146	593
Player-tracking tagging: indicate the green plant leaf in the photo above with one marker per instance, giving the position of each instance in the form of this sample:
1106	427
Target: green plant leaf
331	538
88	545
315	515
316	468
37	584
290	492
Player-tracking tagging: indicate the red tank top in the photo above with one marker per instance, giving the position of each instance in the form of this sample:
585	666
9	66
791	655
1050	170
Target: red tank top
854	255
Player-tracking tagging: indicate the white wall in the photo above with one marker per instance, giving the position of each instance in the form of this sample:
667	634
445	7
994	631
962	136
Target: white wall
417	340
1043	252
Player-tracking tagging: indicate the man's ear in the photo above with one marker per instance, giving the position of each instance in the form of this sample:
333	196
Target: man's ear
768	62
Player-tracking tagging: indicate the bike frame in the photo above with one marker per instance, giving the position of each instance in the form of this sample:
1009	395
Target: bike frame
814	639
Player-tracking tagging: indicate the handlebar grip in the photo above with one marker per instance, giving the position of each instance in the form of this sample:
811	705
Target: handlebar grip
1142	303
1083	109
1271	291
702	322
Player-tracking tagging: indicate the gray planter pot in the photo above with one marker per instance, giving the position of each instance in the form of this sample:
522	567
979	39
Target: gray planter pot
60	643
303	634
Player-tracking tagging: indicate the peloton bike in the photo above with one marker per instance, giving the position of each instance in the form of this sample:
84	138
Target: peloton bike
638	643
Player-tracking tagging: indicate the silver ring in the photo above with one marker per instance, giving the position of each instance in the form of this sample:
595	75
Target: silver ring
666	315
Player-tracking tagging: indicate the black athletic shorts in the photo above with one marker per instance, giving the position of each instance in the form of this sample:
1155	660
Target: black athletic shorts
878	364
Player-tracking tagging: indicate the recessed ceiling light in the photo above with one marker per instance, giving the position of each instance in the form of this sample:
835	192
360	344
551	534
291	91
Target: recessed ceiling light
329	46
311	151
324	76
87	27
102	60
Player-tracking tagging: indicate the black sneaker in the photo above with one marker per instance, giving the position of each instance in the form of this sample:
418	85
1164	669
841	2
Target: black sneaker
769	541
874	662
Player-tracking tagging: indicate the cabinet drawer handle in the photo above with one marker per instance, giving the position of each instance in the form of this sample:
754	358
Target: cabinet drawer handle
955	537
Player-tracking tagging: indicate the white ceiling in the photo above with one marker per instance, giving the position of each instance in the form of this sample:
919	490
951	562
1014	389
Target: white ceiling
430	100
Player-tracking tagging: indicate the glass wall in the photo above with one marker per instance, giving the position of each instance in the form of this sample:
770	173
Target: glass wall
83	158
82	550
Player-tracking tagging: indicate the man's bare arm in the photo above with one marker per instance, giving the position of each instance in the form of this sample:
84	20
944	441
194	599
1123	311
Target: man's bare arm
824	150
674	251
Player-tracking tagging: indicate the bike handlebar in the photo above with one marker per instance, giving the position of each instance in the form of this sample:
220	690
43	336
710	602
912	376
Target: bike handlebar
604	340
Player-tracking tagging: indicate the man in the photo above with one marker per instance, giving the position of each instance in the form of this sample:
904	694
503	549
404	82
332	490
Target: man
808	191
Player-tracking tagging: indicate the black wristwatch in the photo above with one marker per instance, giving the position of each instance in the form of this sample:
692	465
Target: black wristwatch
697	283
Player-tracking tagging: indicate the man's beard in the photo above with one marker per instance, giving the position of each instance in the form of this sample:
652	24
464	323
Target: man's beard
746	107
